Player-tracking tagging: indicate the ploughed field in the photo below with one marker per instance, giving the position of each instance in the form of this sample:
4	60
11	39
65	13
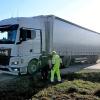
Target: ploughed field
75	86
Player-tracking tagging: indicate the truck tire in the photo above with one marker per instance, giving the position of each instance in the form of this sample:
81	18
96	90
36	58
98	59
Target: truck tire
95	58
92	59
32	66
66	61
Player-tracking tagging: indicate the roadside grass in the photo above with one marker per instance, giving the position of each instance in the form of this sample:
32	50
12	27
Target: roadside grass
75	86
90	76
89	70
70	89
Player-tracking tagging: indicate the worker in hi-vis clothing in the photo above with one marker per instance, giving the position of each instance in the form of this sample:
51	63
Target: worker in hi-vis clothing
55	69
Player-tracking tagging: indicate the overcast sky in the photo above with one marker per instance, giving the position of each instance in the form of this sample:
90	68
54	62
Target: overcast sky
81	12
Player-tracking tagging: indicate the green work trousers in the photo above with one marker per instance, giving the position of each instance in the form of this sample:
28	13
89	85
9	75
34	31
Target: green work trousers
55	71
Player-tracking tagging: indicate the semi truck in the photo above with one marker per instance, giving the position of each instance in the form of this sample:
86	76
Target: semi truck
23	39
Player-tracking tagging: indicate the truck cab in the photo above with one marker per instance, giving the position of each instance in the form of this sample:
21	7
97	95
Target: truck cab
20	45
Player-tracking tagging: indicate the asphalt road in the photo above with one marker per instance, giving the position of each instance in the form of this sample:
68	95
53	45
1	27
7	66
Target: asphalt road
70	69
6	77
82	68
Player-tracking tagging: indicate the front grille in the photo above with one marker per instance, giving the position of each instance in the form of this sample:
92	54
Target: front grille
4	60
4	56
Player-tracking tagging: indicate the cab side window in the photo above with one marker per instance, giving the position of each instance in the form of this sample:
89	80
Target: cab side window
25	35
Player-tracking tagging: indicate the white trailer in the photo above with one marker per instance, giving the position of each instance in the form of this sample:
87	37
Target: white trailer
23	39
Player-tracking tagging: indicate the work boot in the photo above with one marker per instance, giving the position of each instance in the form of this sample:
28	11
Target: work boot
59	81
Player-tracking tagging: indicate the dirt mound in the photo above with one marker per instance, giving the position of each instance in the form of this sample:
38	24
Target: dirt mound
72	90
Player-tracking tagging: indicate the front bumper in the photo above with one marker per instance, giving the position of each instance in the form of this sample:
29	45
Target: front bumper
13	70
8	70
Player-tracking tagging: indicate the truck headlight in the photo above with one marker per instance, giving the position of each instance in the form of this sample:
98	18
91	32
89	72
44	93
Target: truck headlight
15	63
15	69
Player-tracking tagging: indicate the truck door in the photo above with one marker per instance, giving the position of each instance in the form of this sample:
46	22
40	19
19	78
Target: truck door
30	42
37	42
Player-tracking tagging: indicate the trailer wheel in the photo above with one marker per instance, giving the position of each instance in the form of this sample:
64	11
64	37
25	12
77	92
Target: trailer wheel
92	59
66	61
32	66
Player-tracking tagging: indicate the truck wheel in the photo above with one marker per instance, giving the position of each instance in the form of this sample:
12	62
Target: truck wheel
89	61
92	59
32	66
66	61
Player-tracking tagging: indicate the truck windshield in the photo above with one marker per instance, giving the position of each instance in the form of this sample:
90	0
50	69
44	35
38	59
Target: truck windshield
8	34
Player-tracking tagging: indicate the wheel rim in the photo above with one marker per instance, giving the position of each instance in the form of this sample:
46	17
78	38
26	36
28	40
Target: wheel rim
32	67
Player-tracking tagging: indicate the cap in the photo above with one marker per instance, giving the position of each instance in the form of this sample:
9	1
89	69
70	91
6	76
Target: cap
53	52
